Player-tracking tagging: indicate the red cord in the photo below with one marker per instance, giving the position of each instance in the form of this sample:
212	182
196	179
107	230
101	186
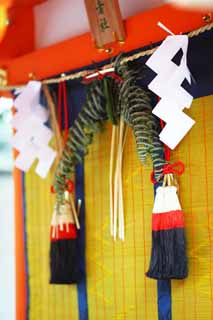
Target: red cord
66	115
175	168
62	94
59	108
100	76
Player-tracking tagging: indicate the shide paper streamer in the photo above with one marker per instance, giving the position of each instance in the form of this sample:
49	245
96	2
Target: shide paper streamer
167	85
32	136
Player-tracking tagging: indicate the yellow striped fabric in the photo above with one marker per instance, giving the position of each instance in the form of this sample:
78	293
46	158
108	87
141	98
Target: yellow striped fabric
47	302
193	298
117	287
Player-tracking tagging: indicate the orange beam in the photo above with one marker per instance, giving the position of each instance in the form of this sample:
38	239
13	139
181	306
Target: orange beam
19	37
21	280
16	39
141	30
21	274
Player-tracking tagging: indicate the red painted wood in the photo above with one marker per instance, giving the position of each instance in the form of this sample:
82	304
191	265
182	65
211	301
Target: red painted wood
141	30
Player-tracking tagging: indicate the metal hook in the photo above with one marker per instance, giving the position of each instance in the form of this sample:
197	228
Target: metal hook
109	50
207	18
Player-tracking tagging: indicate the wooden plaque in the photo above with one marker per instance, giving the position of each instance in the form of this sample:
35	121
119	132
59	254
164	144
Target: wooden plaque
105	21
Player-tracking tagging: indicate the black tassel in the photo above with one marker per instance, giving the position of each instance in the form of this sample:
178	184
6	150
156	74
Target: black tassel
168	256
64	262
64	253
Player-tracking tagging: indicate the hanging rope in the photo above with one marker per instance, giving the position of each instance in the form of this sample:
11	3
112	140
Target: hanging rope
175	168
62	98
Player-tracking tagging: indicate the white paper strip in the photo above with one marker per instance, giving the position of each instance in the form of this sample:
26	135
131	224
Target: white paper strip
167	85
32	136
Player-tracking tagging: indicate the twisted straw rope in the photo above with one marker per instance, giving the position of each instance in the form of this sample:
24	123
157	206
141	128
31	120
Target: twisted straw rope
135	56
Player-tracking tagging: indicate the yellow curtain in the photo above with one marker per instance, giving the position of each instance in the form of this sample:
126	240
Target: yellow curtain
116	284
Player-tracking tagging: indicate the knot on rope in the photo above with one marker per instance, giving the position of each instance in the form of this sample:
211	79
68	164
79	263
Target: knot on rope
100	76
174	168
70	186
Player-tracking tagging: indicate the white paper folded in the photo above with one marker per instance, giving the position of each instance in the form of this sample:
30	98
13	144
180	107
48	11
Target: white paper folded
168	86
32	137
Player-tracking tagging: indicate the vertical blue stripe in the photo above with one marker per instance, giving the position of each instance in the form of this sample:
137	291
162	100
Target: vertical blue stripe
76	94
82	286
25	247
164	300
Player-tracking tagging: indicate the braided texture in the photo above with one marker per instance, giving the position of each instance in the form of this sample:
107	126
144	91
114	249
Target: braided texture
136	109
108	99
89	121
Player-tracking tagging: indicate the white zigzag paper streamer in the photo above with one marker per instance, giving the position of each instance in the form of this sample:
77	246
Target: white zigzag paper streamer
32	136
167	85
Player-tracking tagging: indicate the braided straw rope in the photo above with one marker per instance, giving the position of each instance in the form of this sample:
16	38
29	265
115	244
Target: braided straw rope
135	56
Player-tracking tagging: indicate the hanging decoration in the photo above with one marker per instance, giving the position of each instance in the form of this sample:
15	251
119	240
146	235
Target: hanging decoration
89	121
118	97
53	121
136	110
32	136
64	256
117	146
64	264
168	257
119	133
168	86
105	21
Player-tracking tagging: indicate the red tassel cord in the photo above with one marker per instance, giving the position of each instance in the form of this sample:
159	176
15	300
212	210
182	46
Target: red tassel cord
64	253
175	168
100	76
66	115
168	256
59	106
64	264
62	97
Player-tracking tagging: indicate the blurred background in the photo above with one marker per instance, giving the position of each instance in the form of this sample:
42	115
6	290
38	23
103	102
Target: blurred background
7	230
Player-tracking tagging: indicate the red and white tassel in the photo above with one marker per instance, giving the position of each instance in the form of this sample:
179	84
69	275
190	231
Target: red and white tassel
168	257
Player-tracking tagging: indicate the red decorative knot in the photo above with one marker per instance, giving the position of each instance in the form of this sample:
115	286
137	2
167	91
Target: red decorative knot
174	168
52	189
100	76
70	186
